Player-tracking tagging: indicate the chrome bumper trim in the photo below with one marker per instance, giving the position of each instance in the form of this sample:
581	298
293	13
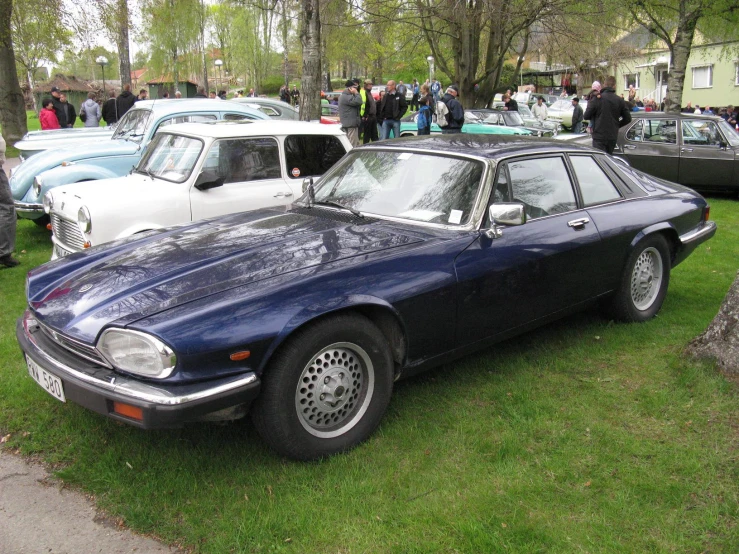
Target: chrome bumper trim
708	229
125	386
28	207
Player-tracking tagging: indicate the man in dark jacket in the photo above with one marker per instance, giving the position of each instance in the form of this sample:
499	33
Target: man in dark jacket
125	101
608	112
69	112
349	104
577	117
456	111
61	113
110	111
200	93
510	104
368	113
392	108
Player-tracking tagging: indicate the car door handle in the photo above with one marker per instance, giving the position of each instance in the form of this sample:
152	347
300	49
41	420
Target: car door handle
629	147
577	223
283	194
686	150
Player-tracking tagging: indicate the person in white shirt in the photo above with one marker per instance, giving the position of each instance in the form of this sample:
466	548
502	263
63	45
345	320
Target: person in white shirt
539	111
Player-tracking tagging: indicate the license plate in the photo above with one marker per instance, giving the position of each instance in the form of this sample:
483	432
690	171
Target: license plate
50	383
60	252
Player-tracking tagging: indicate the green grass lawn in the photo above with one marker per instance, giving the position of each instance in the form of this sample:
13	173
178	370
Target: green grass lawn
583	436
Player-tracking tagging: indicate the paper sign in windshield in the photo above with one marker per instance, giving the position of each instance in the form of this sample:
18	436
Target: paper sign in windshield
455	216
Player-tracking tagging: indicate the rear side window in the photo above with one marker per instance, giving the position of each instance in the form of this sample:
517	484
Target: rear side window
542	185
307	155
193	118
236	117
595	186
635	131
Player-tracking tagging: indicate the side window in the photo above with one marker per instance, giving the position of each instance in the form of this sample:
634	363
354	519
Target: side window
635	131
501	192
236	117
542	185
701	132
307	155
242	160
269	111
660	130
595	185
194	118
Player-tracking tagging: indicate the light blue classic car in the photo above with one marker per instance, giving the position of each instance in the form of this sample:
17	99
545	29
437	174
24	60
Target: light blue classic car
113	157
35	142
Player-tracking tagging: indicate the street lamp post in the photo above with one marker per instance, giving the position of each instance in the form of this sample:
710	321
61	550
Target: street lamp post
430	59
102	61
218	63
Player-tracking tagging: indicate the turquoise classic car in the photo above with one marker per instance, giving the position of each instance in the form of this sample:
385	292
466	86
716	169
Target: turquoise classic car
114	156
409	127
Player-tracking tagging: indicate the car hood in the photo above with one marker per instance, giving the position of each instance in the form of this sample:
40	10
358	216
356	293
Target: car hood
128	189
60	138
24	174
127	280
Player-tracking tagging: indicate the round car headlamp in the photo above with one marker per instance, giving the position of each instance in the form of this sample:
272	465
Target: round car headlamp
84	220
48	202
37	184
138	353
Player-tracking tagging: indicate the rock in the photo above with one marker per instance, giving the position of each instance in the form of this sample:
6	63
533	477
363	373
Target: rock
720	340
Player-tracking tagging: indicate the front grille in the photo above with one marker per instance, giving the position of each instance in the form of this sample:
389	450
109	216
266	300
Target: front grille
67	232
82	350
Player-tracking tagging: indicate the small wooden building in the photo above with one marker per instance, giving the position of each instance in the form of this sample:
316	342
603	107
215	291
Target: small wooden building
75	89
157	87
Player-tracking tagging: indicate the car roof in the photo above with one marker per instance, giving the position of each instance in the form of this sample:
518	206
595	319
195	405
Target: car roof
667	115
180	105
263	101
232	129
486	146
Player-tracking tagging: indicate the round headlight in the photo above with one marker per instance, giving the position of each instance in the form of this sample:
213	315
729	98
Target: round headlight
48	202
83	218
138	353
37	184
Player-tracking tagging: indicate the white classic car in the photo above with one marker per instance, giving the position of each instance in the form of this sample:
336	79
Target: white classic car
195	171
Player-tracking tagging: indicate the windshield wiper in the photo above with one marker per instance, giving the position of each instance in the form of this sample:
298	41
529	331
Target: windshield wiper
337	205
145	172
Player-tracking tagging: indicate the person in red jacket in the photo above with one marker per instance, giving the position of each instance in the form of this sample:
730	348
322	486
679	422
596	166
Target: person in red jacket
47	116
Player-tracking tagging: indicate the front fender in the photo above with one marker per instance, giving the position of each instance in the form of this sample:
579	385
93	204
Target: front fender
138	227
64	175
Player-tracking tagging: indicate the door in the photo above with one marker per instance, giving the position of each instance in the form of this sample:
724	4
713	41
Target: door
704	159
661	85
651	146
252	175
532	270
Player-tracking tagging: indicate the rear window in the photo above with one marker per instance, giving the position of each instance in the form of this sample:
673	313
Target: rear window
310	155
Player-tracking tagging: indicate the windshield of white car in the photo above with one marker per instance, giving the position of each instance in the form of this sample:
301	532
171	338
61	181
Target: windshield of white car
409	185
133	125
513	119
730	134
171	157
562	105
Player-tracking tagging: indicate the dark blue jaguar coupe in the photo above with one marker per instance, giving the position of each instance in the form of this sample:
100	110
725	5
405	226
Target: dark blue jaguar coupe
407	254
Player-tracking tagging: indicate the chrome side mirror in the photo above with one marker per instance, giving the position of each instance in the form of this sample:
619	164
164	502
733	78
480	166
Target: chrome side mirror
508	214
306	183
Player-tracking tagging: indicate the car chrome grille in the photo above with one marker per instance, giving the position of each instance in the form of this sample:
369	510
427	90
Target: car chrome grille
80	349
67	232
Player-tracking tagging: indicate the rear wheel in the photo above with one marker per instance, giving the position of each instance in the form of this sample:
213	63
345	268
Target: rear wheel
644	281
326	389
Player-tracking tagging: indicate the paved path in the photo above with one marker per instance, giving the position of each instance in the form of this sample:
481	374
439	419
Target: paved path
38	516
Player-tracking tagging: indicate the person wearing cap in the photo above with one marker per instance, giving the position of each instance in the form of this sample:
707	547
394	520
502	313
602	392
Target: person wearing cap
392	107
368	113
576	116
350	103
61	113
456	111
7	216
608	112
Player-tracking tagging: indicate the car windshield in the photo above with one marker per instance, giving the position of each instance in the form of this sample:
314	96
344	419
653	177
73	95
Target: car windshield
409	185
563	105
133	125
513	119
730	134
171	157
524	110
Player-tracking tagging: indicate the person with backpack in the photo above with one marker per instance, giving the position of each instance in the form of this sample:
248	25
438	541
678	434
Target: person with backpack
449	112
90	111
425	114
392	107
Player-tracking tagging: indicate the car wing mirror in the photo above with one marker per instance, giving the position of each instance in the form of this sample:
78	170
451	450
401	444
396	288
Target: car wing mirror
722	144
506	214
208	180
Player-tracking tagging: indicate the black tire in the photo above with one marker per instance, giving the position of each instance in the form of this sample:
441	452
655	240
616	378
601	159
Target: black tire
326	389
42	221
644	281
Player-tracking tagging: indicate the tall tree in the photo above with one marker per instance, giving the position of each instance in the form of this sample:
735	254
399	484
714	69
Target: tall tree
675	23
12	105
310	39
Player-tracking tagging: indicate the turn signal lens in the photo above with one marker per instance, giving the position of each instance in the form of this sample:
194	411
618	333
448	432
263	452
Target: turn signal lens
48	226
87	245
238	356
707	213
126	410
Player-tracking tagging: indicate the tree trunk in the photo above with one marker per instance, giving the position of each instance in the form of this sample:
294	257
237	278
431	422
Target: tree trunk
12	104
124	53
310	83
720	341
679	54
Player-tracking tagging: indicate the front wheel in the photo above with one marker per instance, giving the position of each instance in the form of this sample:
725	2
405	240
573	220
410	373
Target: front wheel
644	281
326	389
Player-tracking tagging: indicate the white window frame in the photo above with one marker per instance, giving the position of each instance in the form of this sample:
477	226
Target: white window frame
636	77
708	66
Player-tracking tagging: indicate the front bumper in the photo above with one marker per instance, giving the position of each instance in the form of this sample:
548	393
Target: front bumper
163	405
29	210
